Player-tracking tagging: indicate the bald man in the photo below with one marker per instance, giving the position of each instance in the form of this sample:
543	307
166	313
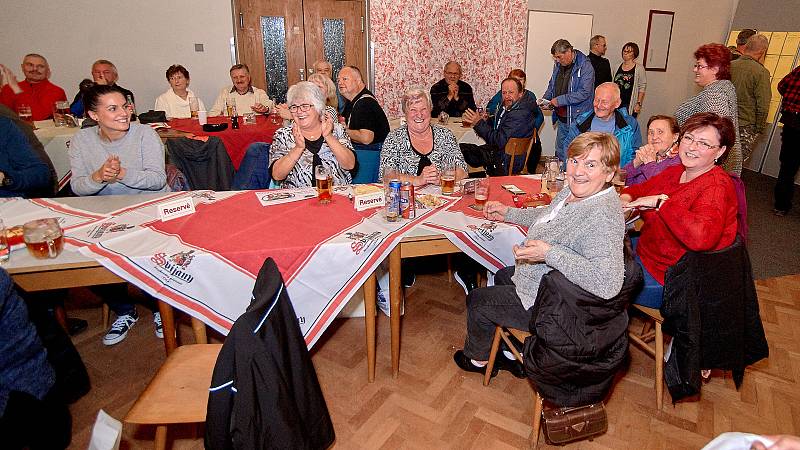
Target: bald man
35	91
450	94
608	117
365	121
753	92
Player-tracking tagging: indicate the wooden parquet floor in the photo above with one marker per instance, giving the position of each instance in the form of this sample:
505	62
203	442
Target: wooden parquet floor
434	405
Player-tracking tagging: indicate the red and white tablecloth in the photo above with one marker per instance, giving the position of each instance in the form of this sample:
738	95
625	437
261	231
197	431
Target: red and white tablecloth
205	264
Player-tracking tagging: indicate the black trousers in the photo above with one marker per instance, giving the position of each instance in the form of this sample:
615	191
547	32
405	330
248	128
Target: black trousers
35	424
790	163
491	306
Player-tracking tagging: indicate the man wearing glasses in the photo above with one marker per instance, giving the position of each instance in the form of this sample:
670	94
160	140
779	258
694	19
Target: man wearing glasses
365	121
450	94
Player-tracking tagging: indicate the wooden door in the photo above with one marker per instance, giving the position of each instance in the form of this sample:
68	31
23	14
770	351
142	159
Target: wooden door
280	39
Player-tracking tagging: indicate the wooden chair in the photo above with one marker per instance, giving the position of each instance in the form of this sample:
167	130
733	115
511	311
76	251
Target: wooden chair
178	393
642	341
502	333
518	147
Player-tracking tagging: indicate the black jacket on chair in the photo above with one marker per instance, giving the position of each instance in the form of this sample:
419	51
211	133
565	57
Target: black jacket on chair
206	164
711	310
264	390
578	340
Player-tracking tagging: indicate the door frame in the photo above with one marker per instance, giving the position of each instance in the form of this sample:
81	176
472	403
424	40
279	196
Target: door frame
369	64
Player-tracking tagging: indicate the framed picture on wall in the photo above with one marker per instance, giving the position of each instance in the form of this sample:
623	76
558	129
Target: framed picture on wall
659	35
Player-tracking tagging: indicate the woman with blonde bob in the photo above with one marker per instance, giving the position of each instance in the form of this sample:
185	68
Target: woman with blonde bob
580	234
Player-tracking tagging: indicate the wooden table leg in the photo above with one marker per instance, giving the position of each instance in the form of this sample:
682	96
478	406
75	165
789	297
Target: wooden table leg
395	299
369	324
168	324
199	329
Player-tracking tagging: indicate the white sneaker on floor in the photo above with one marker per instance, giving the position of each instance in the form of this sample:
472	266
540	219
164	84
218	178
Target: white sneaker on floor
159	326
119	329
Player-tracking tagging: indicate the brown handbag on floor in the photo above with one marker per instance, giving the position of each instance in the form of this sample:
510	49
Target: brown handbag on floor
563	425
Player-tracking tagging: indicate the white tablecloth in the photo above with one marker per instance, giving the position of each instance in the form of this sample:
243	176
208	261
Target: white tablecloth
56	142
463	135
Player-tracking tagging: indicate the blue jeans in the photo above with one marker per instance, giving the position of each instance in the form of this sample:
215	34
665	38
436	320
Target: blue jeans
561	137
254	171
652	294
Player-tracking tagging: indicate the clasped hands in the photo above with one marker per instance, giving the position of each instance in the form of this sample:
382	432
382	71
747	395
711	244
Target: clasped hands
110	172
452	91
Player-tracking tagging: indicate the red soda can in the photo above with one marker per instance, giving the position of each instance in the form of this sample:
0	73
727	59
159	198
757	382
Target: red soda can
407	202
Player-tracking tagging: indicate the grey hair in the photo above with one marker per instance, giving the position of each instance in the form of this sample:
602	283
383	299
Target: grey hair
413	95
560	46
613	86
322	62
757	43
306	90
106	62
330	96
595	39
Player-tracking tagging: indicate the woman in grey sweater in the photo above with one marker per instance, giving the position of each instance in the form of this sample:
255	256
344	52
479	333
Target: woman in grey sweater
579	234
113	158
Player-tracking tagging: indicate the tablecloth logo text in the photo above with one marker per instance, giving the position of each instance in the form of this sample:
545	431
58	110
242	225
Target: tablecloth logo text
174	266
362	241
108	227
484	230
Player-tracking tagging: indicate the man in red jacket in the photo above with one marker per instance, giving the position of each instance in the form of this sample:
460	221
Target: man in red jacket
35	91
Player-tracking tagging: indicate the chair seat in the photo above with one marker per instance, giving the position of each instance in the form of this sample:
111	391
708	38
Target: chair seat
652	312
178	393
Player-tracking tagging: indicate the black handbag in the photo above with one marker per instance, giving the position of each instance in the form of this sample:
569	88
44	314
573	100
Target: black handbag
152	116
563	425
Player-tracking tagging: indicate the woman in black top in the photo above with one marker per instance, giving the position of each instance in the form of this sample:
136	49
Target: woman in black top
630	77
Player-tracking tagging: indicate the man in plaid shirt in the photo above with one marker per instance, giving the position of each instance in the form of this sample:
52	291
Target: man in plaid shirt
789	88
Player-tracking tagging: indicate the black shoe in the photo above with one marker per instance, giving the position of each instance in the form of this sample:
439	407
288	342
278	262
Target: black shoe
468	282
513	366
464	363
75	326
409	278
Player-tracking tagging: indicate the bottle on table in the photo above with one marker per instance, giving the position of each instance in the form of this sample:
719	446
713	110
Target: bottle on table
131	107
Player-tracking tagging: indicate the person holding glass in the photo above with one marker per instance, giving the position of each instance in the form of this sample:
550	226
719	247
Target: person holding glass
632	80
660	152
179	102
419	151
112	158
312	139
691	206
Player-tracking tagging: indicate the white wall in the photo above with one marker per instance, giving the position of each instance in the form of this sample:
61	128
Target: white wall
142	38
621	21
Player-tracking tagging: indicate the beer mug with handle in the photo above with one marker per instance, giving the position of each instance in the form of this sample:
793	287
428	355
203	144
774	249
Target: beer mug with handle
43	238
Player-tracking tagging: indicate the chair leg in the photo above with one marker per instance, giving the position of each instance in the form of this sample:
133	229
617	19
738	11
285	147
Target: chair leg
498	331
106	312
450	268
659	367
537	419
161	437
199	329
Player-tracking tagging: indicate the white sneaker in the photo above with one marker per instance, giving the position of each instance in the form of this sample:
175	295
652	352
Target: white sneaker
119	329
159	327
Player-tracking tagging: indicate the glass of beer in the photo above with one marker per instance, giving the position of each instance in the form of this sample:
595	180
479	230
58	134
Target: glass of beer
24	112
229	105
619	180
448	180
60	111
194	106
324	184
43	238
481	193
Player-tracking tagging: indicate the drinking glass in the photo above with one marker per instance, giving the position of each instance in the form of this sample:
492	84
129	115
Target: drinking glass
619	180
443	118
5	251
324	184
194	106
43	237
448	180
60	111
230	107
24	112
481	193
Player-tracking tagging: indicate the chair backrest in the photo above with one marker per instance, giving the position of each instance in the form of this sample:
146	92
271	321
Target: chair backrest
368	165
518	147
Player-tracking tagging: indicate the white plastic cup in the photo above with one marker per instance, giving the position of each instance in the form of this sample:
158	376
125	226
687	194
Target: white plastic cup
202	116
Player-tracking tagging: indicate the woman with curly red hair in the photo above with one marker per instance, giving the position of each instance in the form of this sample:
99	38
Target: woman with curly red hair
712	72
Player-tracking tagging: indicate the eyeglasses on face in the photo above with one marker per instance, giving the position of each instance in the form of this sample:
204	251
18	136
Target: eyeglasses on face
691	141
699	66
302	107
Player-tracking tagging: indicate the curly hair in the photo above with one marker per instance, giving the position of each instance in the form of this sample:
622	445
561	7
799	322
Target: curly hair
717	56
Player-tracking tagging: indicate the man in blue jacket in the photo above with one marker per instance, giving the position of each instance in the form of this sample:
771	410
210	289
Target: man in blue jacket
608	117
22	173
570	90
516	120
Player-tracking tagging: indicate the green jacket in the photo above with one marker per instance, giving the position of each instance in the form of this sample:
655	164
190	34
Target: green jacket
753	92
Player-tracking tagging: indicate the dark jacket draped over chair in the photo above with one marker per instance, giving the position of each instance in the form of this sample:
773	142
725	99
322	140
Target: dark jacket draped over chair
264	390
205	164
578	340
711	310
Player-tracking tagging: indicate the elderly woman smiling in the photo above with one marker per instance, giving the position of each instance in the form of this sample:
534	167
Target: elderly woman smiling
176	101
688	207
312	139
418	151
580	234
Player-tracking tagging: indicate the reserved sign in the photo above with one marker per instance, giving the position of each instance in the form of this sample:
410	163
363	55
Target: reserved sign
369	200
175	208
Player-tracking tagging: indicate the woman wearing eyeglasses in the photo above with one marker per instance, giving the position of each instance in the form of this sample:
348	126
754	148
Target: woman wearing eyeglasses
688	207
632	80
312	139
712	72
660	152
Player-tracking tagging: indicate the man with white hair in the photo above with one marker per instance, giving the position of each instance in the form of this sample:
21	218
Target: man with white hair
608	117
365	121
103	72
35	90
753	92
